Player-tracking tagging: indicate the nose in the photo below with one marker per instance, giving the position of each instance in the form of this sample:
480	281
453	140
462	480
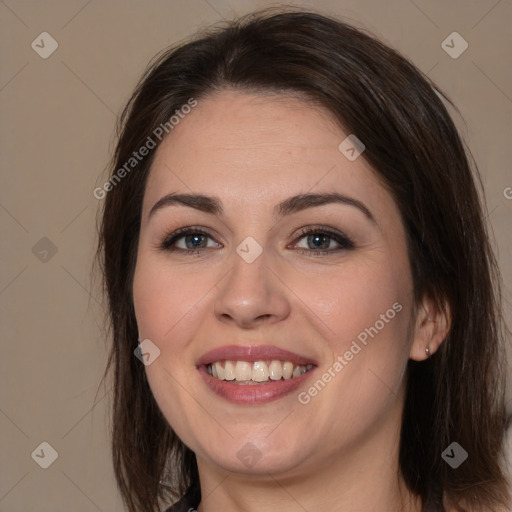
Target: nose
251	295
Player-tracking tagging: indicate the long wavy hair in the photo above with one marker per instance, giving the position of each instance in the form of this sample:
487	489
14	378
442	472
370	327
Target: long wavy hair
415	150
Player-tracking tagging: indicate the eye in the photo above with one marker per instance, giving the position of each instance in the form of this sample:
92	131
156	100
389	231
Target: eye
321	241
189	240
314	241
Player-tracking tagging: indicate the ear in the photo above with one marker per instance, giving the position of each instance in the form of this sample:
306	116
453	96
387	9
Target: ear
432	325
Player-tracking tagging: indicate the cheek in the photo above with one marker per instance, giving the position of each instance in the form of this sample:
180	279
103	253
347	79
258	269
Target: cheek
357	298
365	313
164	299
168	308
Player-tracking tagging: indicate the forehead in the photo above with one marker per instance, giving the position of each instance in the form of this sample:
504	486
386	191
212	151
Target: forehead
248	147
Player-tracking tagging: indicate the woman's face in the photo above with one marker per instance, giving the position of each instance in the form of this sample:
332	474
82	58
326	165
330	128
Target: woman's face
294	261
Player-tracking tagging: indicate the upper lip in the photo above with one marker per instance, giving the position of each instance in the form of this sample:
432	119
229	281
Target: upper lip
252	353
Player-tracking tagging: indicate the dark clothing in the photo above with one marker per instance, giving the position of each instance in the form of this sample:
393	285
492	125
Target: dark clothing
189	502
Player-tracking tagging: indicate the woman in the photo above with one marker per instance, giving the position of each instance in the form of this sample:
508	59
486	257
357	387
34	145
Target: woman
294	249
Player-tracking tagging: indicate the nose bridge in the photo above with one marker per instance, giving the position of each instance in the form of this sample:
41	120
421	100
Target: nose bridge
247	282
251	292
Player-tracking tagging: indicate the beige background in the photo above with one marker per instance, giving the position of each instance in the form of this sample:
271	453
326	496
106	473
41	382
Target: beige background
57	124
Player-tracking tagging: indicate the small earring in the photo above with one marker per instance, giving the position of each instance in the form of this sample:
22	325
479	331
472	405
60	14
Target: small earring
427	351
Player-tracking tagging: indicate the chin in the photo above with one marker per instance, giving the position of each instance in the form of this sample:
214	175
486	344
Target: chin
259	455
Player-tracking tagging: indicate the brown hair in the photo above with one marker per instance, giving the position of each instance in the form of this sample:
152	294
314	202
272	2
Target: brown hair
414	148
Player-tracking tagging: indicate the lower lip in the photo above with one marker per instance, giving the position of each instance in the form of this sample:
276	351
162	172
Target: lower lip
249	394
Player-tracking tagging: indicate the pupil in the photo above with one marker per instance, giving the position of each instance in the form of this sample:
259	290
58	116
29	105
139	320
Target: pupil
319	241
194	241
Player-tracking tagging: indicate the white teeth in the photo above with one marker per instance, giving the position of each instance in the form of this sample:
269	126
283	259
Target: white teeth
243	370
287	370
229	371
259	371
220	371
275	370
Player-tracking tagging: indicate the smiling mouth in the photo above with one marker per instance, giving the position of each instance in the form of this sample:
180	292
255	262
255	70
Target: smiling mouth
253	375
257	372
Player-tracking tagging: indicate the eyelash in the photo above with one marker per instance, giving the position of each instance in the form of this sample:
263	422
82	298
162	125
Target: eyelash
344	241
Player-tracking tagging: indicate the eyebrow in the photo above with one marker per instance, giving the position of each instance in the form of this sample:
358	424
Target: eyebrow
291	205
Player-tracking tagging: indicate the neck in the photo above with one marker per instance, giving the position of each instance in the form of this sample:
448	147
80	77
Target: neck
364	477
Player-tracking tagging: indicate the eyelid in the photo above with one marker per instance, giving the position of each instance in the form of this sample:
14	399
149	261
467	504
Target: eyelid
319	228
336	234
175	235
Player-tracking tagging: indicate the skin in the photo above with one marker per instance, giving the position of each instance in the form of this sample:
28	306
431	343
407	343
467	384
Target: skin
252	152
